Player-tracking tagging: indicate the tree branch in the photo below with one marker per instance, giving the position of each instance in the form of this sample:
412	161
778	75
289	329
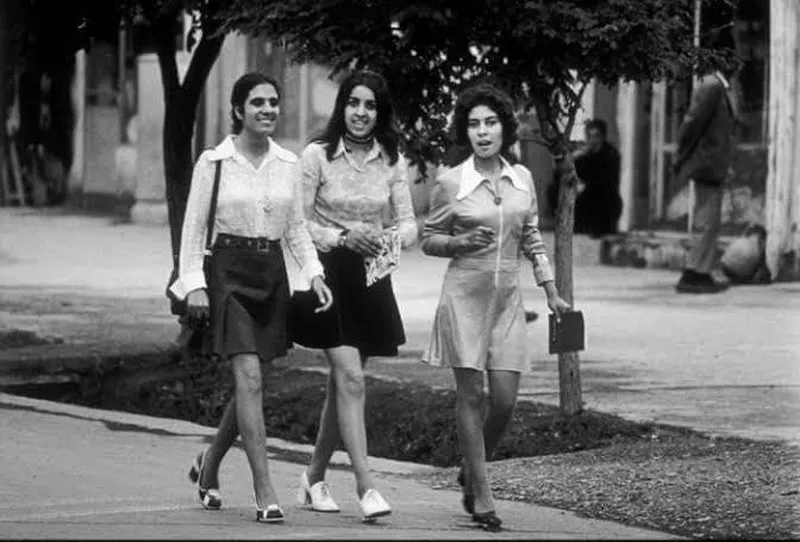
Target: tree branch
205	54
572	110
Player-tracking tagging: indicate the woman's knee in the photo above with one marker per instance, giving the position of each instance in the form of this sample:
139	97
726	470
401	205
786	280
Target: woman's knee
469	391
503	405
349	381
247	374
348	373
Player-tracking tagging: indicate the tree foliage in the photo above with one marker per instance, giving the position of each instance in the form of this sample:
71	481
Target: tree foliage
542	51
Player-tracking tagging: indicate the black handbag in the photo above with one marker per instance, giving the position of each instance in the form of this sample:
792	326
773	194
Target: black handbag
178	307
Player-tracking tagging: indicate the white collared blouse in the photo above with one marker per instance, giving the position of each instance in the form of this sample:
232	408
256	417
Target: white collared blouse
340	194
264	201
463	199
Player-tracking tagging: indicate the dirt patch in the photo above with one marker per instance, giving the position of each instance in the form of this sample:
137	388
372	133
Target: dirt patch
686	484
414	422
18	338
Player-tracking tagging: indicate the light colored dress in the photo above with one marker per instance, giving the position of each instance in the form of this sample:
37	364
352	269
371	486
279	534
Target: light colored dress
480	320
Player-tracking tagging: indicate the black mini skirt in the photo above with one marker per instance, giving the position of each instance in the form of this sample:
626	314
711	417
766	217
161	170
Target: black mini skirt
248	297
366	318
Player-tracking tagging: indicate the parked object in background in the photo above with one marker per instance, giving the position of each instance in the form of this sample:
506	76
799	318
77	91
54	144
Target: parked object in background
744	261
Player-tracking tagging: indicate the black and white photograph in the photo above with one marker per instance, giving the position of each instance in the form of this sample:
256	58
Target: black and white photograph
400	269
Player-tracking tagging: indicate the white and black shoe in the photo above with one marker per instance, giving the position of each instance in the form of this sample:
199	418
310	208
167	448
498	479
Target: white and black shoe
271	514
209	497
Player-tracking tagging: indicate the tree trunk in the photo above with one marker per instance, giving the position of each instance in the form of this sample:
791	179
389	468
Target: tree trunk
179	121
782	206
4	72
569	376
180	113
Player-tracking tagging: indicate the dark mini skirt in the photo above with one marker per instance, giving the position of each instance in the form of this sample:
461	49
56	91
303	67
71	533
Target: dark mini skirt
248	296
366	318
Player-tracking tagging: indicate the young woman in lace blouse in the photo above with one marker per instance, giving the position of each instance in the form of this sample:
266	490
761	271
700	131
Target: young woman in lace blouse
484	217
246	297
351	175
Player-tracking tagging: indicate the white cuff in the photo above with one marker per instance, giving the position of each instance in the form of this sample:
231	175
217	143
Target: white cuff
313	269
542	271
188	283
409	233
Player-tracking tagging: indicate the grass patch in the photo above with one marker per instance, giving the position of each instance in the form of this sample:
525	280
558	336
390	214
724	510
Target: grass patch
406	421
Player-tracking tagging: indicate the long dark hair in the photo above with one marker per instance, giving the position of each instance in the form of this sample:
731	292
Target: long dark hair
241	90
385	132
495	99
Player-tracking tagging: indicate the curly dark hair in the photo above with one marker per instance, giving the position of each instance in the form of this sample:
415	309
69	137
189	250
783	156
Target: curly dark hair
385	132
241	90
495	99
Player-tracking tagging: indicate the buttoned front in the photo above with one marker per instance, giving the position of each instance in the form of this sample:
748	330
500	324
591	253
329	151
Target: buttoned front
263	201
462	200
341	194
480	321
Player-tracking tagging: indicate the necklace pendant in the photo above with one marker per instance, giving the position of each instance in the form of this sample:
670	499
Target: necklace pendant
498	200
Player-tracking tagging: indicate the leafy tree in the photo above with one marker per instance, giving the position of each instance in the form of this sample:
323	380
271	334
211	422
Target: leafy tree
543	52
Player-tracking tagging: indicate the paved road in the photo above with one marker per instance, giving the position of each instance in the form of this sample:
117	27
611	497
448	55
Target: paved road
725	364
77	473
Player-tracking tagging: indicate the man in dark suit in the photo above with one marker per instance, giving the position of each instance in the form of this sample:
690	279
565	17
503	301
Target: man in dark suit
705	149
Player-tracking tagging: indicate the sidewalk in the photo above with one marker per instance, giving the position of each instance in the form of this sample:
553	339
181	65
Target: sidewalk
78	473
724	364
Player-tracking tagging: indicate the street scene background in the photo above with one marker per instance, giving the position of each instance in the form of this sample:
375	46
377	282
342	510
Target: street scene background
690	422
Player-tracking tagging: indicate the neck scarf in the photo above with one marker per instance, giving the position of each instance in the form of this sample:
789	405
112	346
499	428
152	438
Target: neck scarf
353	140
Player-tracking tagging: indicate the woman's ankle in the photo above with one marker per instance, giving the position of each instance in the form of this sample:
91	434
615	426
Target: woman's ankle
315	475
364	486
265	498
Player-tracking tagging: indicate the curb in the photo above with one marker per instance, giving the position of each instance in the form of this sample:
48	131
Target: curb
182	428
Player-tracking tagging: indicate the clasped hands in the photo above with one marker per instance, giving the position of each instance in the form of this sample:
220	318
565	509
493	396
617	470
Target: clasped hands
471	241
364	239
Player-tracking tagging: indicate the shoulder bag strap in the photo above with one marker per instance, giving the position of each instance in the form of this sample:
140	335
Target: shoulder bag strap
212	210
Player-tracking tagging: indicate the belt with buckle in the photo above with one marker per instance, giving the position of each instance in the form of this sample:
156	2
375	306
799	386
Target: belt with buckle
261	244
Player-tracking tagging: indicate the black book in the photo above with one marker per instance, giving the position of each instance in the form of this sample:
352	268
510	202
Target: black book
568	334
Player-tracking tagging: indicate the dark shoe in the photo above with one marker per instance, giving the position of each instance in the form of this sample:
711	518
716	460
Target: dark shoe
272	514
692	282
488	521
467	500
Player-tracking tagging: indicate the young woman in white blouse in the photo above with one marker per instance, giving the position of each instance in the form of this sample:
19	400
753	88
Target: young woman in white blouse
352	174
484	217
246	298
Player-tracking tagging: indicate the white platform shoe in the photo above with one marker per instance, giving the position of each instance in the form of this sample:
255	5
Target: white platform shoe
373	506
316	497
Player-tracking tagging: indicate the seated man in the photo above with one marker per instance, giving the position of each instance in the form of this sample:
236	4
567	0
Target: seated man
598	204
